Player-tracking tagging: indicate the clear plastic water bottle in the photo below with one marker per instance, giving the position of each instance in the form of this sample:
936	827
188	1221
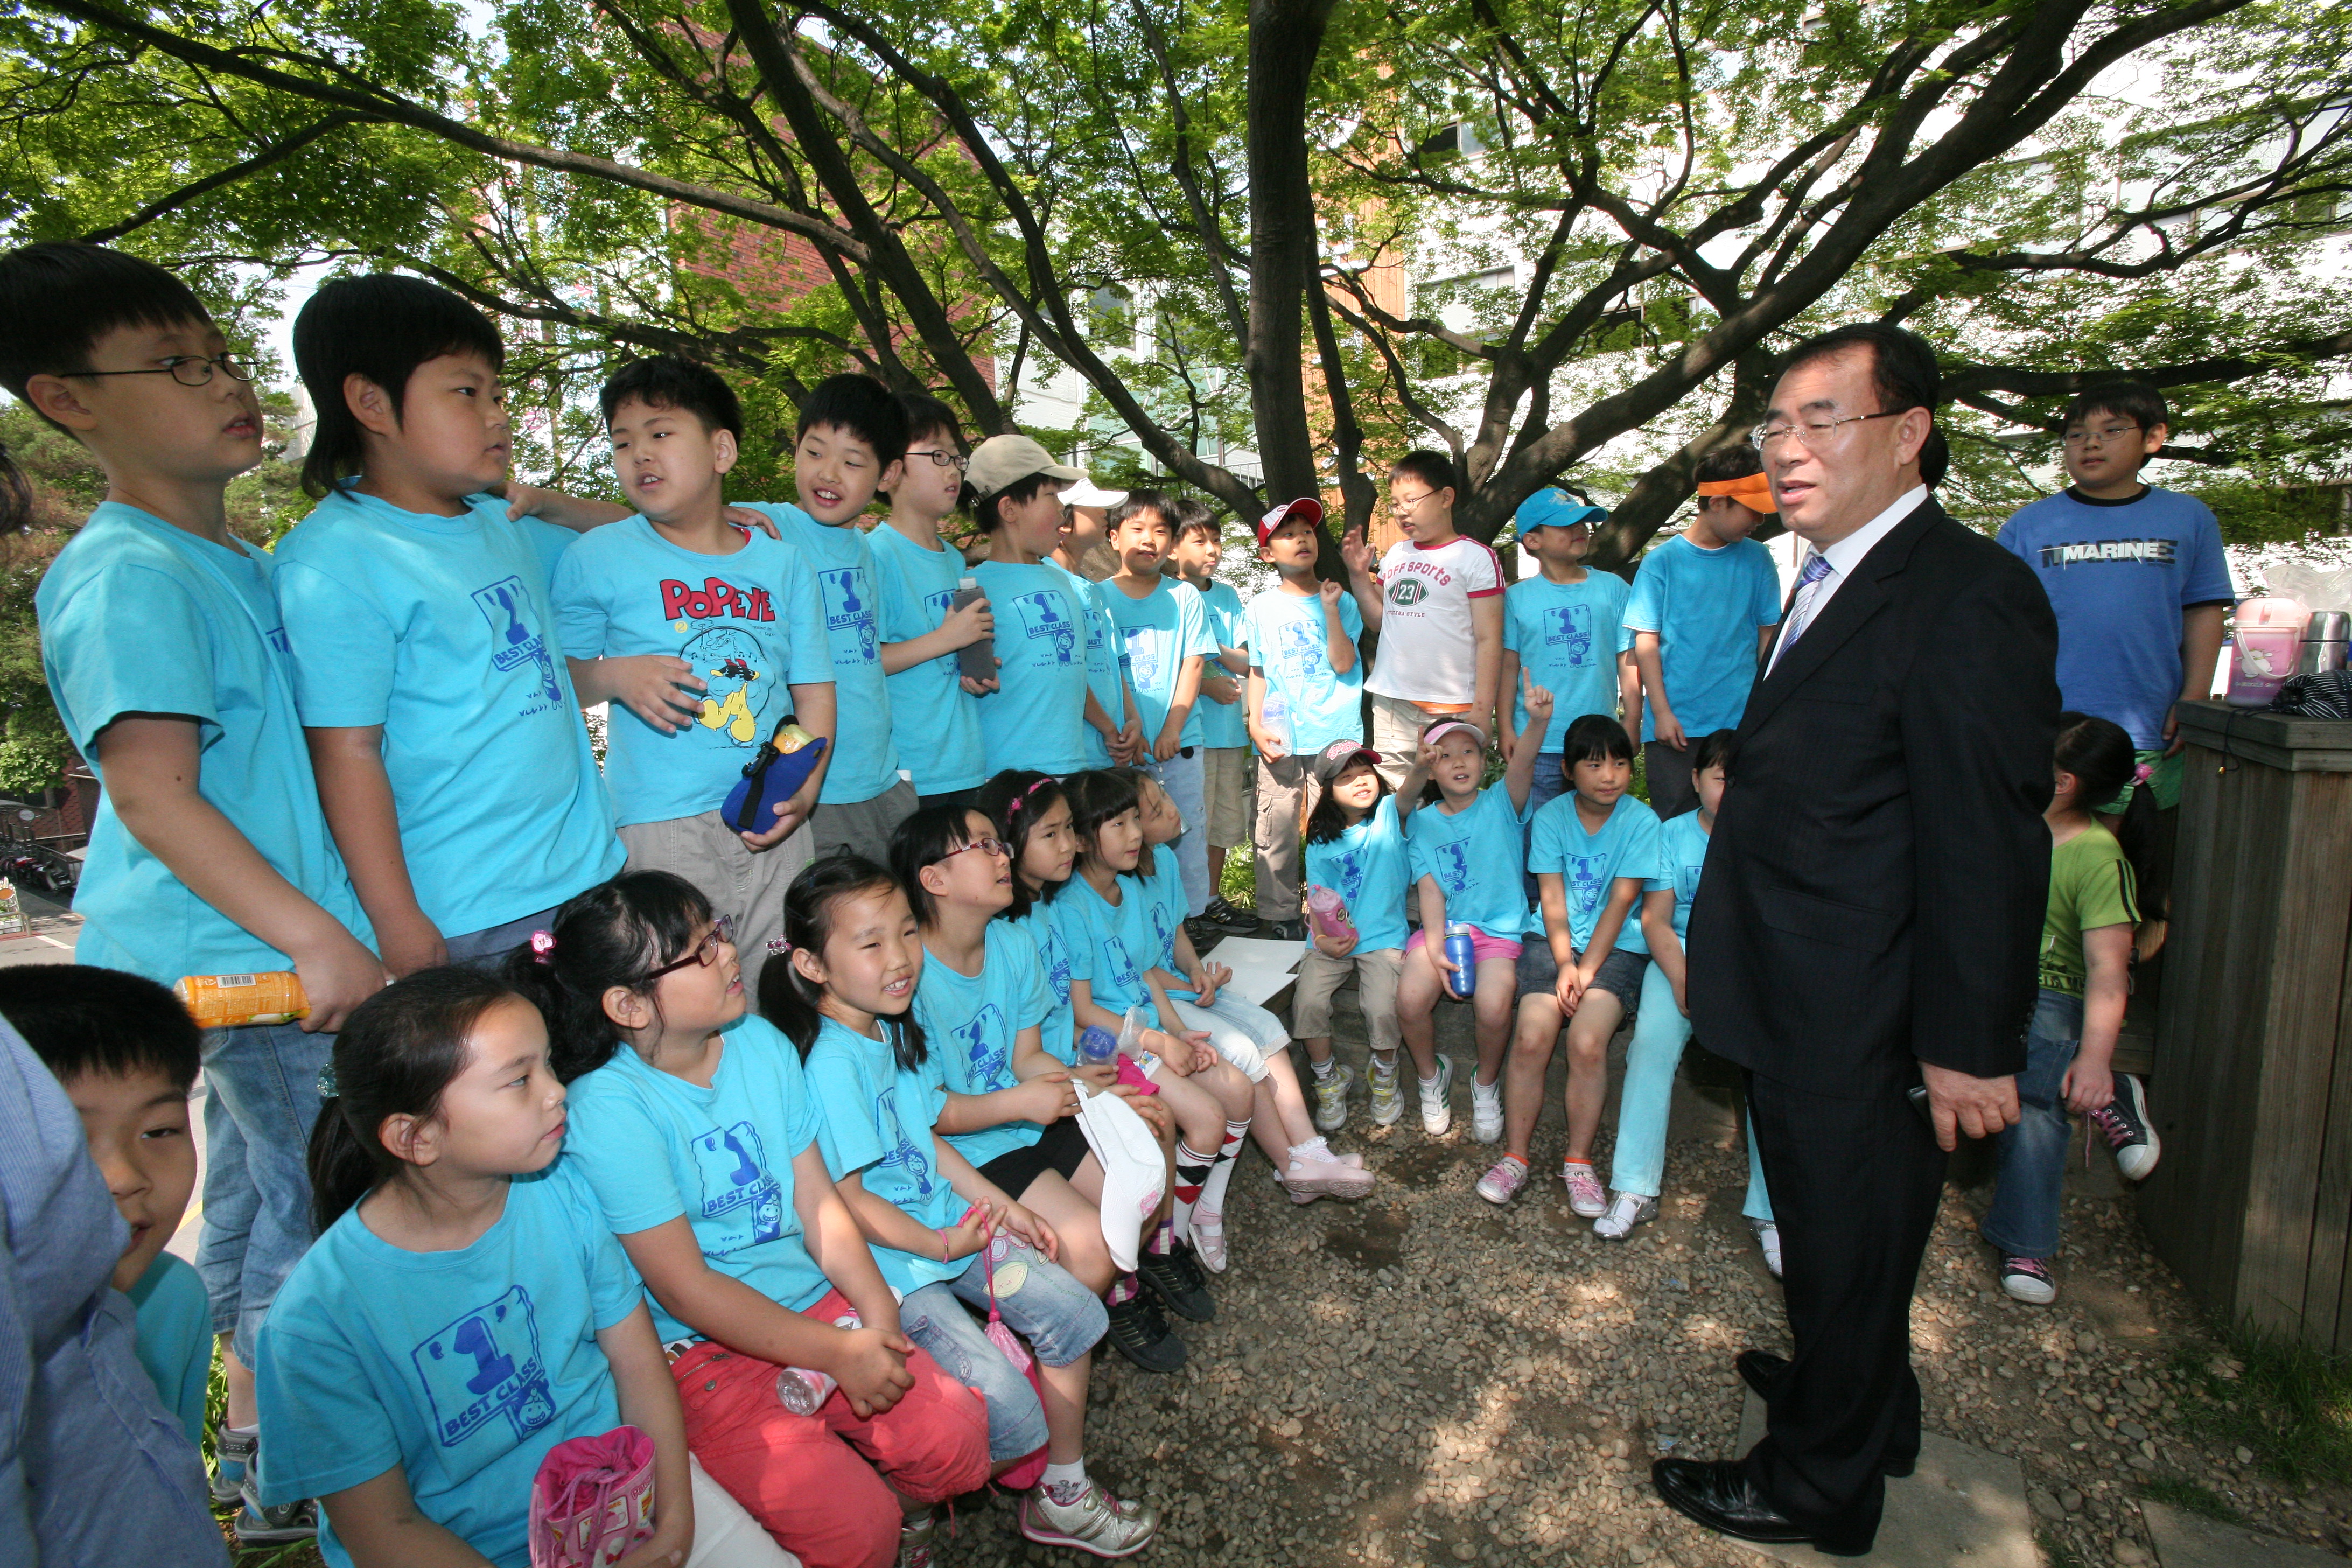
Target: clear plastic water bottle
1132	1029
1098	1047
1463	950
1274	717
801	1390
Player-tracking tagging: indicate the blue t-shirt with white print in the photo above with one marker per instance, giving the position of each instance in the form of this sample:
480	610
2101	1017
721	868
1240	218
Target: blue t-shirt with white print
1037	717
1289	644
1682	856
1587	864
462	1368
749	625
936	716
875	1123
1097	936
2118	575
1105	664
1568	637
1161	630
1366	866
1059	964
137	617
1706	606
440	630
971	1023
1223	723
655	1146
1477	856
865	755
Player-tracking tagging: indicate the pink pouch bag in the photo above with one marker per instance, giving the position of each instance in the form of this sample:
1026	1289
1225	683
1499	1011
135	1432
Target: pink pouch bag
592	1500
1029	1471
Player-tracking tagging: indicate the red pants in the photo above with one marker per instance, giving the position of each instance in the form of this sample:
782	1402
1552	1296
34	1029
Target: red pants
823	1485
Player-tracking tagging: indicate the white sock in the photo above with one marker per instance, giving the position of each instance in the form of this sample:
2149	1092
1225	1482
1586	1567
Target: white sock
1384	1064
1323	1069
1313	1148
1065	1481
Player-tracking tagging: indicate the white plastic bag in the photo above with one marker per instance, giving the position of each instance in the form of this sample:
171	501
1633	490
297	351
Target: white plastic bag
1135	1174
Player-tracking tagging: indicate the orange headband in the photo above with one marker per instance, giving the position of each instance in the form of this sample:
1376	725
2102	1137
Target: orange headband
1753	491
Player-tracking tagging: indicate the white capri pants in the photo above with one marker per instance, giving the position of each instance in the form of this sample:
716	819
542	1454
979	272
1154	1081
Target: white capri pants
1242	1032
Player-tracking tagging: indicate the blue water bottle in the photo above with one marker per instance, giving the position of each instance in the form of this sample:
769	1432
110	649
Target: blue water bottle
1462	952
1098	1048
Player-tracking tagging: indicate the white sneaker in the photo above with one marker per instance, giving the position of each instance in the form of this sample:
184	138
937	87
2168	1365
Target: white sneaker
1436	1112
1486	1110
1626	1210
1585	1195
1388	1097
1331	1097
1768	1236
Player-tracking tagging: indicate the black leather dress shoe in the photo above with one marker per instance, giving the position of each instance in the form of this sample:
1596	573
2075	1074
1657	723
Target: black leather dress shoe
1718	1494
1762	1371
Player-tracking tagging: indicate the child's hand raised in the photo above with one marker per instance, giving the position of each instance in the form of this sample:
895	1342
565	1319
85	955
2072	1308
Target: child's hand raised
1537	701
871	1367
1329	591
1356	551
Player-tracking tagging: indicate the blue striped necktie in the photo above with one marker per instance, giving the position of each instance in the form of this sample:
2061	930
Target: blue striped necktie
1800	610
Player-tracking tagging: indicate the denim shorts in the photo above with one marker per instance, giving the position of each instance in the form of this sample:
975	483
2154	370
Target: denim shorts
1061	1318
1621	972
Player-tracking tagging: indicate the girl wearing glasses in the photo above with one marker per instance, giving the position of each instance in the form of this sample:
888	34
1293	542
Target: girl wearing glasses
693	1122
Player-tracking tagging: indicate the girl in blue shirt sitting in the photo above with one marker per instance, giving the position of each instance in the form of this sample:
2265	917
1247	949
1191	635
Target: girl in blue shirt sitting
845	997
465	1307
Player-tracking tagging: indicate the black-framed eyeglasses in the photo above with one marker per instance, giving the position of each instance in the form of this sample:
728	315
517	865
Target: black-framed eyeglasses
944	459
188	370
706	952
1813	433
990	846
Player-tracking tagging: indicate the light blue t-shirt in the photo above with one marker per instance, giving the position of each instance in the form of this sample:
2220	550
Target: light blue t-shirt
175	1338
1037	717
1568	637
1097	935
1153	914
1682	856
137	617
1161	630
2118	575
1477	858
655	1146
875	1123
1289	642
1223	724
864	754
440	630
1706	606
937	719
1105	664
970	1022
1058	964
1589	864
749	625
1366	866
463	1368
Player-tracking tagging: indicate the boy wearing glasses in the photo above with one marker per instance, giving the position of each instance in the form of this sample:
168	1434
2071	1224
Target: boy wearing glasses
702	636
167	658
1703	607
2136	575
934	705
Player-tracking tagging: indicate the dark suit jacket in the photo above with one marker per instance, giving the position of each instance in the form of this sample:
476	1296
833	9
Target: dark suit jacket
1875	886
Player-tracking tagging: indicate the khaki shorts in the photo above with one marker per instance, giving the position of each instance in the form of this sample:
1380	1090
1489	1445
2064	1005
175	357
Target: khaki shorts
1225	795
862	826
713	856
1320	976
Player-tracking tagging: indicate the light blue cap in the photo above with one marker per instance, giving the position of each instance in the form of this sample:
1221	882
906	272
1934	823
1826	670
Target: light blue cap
1554	508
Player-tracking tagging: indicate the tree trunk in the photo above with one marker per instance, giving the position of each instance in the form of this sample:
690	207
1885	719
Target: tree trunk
1285	36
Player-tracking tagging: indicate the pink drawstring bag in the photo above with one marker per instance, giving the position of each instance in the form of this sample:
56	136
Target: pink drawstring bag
1028	1472
592	1500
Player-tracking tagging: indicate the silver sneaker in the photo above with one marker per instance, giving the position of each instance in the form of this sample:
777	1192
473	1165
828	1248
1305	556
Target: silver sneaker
1626	1210
1388	1095
1092	1522
1331	1097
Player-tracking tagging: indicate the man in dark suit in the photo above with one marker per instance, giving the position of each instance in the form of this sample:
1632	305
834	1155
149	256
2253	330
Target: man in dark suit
1869	917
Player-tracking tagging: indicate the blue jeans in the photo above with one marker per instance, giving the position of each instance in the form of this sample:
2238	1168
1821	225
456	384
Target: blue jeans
487	948
1186	781
2032	1156
1639	1162
1061	1318
261	1095
1549	784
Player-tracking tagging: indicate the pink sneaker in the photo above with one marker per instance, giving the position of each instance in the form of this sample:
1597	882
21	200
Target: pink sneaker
1585	1195
1502	1182
1309	1179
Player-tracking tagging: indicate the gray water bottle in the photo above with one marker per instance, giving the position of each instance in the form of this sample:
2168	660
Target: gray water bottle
976	659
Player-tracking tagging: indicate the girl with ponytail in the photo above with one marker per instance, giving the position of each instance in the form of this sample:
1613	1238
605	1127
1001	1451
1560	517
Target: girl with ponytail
465	1307
696	1129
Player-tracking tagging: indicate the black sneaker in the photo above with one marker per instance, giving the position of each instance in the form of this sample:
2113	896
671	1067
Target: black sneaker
1224	917
1139	1331
1283	931
1175	1278
2123	1123
1204	935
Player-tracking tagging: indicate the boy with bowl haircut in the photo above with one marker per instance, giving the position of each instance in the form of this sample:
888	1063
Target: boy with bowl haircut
1704	609
1436	601
2136	573
1224	721
1047	706
922	635
851	442
1165	628
688	626
1306	693
1565	626
166	656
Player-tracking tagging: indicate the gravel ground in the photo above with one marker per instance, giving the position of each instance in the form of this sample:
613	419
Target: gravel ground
1423	1379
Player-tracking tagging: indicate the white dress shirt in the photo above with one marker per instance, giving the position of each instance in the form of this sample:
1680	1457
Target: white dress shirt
1842	557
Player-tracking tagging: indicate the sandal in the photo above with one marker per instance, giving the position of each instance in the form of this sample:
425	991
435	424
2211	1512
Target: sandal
1207	1240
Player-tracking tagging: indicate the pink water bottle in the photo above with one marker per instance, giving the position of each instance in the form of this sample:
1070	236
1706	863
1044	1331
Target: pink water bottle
2269	638
1329	910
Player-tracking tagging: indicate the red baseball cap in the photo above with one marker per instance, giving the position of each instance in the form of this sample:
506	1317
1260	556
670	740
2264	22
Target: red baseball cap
1307	507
